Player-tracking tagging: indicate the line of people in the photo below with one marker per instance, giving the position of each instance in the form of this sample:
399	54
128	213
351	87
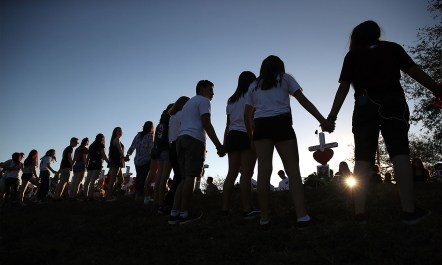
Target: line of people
259	120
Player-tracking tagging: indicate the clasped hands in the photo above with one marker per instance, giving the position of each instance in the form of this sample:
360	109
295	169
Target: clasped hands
329	124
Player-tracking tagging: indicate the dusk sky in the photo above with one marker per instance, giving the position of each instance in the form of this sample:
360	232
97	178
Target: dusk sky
78	68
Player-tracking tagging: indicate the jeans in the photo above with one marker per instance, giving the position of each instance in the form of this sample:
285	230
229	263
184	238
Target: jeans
142	172
44	185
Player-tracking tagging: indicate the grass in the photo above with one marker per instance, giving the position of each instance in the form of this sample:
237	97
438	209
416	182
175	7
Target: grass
128	232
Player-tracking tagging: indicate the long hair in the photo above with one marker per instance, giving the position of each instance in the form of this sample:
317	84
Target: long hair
165	114
114	135
179	104
365	34
147	128
344	169
51	153
244	81
271	68
29	159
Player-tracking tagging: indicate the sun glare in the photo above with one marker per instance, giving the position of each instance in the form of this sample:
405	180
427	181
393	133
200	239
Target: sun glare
350	182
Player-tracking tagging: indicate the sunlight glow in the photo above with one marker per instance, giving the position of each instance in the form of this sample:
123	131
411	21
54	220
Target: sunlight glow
350	182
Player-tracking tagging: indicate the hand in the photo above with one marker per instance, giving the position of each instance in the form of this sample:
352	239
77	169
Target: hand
220	151
328	125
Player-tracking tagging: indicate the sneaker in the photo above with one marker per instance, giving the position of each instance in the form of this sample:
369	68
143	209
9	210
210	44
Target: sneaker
264	223
251	215
415	217
174	220
303	225
192	217
361	218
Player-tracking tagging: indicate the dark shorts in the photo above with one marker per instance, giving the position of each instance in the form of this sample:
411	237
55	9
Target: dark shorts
368	121
26	176
277	128
79	166
191	155
95	165
237	141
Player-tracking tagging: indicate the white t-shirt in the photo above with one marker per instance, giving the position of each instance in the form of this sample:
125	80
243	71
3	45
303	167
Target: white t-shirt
236	112
45	161
191	123
13	173
174	126
284	184
274	101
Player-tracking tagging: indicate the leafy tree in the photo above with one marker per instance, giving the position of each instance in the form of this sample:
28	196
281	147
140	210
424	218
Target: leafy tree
428	55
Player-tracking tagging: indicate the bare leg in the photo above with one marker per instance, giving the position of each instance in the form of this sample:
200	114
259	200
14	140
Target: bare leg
361	174
248	161
264	150
229	182
288	151
404	179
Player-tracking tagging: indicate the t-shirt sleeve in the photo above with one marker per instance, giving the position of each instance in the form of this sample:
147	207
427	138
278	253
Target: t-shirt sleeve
346	74
204	107
405	61
293	85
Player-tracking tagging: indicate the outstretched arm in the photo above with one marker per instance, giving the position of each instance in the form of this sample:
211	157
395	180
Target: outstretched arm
420	76
307	105
341	94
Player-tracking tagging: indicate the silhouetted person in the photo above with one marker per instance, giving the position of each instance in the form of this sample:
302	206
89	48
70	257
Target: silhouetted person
373	68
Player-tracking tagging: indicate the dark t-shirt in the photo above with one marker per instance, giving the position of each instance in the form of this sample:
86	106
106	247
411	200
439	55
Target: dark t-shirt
95	156
65	160
375	71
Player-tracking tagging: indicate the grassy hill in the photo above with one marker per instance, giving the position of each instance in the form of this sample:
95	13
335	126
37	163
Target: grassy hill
128	232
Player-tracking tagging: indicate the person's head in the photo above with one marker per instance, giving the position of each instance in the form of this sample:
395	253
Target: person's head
205	88
100	138
178	106
148	127
343	167
51	153
209	180
74	141
165	114
244	81
85	142
17	157
281	174
271	68
33	156
116	133
365	34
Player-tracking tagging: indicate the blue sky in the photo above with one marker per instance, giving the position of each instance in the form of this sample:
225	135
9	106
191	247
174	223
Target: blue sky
78	68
